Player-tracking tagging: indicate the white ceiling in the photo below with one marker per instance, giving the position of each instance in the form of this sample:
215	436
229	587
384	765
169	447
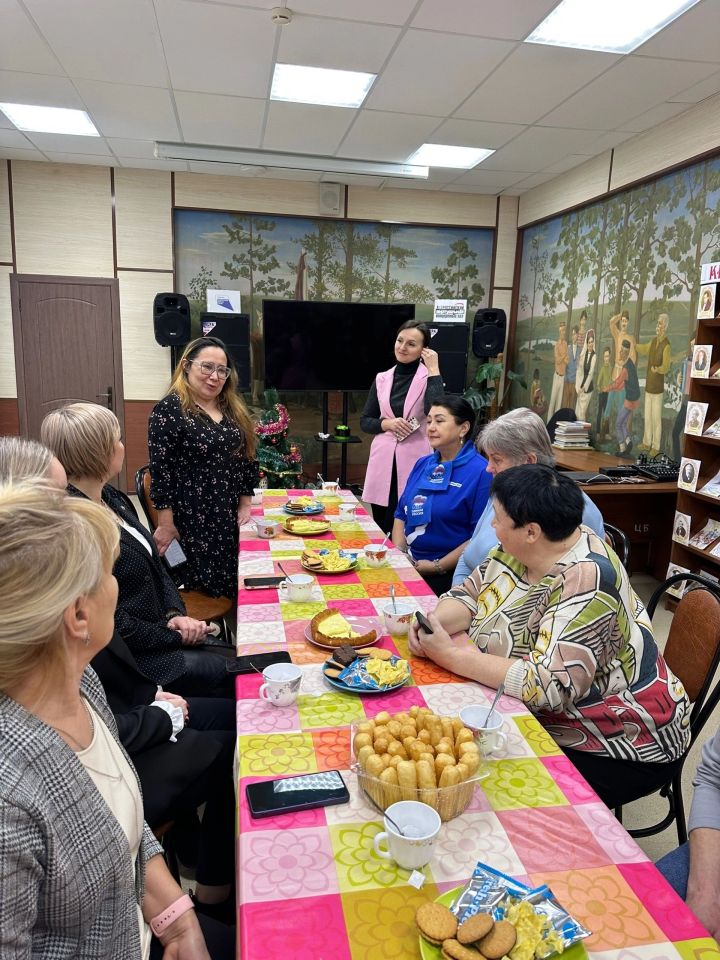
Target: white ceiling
449	71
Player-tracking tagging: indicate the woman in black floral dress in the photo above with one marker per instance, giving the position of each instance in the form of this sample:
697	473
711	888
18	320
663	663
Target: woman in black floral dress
203	467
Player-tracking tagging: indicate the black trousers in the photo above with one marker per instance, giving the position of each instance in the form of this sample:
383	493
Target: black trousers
384	517
205	673
618	782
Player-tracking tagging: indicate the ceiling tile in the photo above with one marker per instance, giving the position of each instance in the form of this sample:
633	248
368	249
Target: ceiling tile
305	127
134	53
483	18
690	37
537	147
14	138
138	149
631	87
566	163
533	80
476	133
369	11
606	141
655	116
21	47
377	135
699	91
217	49
333	43
528	183
227	121
39	89
488	179
65	143
13	153
136	113
60	157
431	74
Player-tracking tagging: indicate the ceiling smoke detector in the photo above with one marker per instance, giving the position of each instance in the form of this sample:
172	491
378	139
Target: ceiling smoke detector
281	16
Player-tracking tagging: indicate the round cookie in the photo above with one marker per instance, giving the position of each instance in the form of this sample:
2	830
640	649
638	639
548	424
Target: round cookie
499	941
475	928
378	652
435	922
452	950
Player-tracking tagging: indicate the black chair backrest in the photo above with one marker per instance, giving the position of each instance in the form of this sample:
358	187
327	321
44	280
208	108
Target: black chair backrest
620	542
142	487
565	413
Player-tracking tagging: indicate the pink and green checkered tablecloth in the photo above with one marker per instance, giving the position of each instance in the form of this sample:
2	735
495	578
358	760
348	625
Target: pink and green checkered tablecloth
309	885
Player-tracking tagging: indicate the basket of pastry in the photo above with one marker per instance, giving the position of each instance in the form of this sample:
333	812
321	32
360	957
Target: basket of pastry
417	755
328	561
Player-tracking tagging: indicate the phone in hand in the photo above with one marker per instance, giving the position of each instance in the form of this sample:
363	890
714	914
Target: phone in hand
296	793
414	424
175	555
423	622
262	583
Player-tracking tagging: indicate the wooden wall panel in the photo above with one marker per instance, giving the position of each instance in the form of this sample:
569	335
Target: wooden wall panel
422	206
679	139
63	219
212	192
579	185
143	217
9	418
502	300
137	414
146	365
507	235
5	241
8	383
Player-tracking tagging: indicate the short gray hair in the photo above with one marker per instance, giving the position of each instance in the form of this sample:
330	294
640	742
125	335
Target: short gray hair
516	435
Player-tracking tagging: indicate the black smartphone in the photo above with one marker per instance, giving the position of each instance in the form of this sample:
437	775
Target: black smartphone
255	662
262	583
423	622
296	793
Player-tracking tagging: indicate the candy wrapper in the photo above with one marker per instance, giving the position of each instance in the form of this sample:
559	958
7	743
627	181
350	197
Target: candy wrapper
544	927
391	672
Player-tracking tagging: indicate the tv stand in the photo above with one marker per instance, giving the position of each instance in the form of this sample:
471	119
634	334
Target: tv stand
343	443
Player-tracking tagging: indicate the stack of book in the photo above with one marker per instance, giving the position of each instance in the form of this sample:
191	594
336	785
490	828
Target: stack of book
572	435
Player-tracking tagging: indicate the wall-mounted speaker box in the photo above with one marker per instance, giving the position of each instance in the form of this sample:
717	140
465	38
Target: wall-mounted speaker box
450	340
330	199
489	329
234	331
171	319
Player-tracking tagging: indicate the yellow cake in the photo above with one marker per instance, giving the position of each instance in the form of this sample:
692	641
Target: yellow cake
331	628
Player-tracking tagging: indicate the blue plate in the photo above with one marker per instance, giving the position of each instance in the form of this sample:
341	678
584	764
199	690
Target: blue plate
307	510
339	685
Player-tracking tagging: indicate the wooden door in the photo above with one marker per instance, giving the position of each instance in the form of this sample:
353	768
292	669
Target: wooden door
67	345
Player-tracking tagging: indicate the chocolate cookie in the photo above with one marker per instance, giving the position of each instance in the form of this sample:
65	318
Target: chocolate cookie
499	941
475	928
435	922
345	654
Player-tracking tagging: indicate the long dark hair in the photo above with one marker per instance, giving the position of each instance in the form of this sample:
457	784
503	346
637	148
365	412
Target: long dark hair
414	325
460	410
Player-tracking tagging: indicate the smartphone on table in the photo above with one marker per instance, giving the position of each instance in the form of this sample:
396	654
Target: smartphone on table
296	793
262	583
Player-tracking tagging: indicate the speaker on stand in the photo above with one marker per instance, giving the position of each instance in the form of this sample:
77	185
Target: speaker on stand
489	328
171	322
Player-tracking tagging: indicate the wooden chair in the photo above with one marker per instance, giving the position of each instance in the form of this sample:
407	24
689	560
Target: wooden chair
692	652
620	542
199	605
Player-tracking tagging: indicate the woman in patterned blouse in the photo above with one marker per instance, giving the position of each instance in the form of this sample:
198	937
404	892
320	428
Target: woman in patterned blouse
203	467
552	615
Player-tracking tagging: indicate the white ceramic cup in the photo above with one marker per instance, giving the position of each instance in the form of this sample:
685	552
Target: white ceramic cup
282	684
490	736
398	620
330	486
420	825
297	587
257	496
375	554
347	511
265	528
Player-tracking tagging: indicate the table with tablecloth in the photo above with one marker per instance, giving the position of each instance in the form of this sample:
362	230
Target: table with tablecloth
310	886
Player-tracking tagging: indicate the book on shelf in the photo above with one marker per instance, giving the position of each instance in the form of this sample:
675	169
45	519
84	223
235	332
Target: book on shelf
702	539
695	417
713	430
712	487
689	473
681	527
701	359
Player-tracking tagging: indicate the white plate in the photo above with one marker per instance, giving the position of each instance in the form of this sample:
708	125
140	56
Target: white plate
360	624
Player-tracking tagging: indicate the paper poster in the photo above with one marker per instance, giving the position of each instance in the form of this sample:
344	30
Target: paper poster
677	589
450	311
702	354
706	302
689	473
223	301
681	527
709	534
695	417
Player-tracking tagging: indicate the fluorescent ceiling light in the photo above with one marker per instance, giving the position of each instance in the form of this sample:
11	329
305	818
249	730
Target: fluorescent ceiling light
288	161
36	119
442	155
612	26
331	88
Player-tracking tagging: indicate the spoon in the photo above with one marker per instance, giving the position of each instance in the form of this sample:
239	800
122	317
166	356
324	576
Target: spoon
500	691
392	597
283	571
387	537
385	814
320	478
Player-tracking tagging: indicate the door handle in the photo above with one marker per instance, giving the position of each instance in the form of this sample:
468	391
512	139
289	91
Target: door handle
107	397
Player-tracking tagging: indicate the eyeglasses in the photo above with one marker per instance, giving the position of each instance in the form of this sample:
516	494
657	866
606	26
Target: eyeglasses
207	369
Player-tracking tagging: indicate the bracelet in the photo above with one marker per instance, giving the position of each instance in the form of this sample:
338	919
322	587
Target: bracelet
438	569
170	914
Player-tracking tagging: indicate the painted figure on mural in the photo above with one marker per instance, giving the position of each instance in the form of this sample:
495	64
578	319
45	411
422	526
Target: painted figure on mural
619	331
626	381
538	402
569	392
560	357
658	364
584	378
582	329
604	379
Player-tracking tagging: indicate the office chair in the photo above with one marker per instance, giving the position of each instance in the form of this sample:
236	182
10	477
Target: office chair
620	542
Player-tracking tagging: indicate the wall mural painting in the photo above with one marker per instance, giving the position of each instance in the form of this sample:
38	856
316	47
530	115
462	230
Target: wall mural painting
607	308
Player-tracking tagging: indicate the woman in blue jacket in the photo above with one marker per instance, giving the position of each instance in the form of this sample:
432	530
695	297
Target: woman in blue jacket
445	494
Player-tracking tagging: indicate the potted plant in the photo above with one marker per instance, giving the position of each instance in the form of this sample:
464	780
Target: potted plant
484	392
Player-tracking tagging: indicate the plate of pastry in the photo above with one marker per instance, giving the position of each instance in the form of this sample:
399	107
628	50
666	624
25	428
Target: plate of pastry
303	505
368	670
328	561
306	526
330	629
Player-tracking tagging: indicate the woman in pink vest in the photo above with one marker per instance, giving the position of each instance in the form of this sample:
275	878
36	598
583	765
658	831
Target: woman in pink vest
399	397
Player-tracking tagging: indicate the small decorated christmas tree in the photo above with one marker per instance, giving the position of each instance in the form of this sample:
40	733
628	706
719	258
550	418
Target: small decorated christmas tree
280	461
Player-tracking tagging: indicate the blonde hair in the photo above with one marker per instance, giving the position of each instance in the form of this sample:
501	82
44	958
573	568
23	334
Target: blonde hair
229	400
20	458
54	549
82	436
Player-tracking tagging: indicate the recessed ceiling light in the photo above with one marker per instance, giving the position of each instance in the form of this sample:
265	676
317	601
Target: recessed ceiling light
331	88
613	26
36	119
442	155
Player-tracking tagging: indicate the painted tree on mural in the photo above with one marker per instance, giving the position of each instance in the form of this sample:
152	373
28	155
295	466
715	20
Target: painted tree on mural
537	262
568	263
320	252
458	278
355	252
255	261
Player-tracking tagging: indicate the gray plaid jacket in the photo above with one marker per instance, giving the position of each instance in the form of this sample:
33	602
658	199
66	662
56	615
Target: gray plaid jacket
68	889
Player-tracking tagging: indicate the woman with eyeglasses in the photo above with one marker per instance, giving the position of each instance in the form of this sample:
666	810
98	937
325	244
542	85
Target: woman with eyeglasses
202	465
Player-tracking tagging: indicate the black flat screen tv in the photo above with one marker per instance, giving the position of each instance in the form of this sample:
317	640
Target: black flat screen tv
320	345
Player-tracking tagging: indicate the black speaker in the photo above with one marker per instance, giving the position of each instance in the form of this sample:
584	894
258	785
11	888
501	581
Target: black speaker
450	340
234	331
488	337
171	319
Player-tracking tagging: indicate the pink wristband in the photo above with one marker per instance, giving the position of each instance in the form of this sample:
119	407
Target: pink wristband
170	914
